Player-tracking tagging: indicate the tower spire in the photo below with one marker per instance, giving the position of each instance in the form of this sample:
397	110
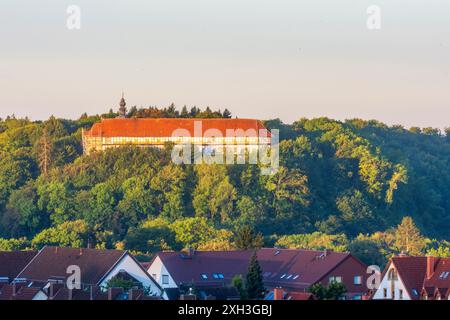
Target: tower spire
122	109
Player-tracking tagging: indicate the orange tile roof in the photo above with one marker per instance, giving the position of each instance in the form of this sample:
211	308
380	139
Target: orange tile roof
164	127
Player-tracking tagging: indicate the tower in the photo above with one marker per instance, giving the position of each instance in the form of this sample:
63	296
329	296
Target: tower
122	109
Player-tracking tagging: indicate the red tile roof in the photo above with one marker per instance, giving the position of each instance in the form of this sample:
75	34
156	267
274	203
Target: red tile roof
11	263
300	268
22	292
53	262
164	127
413	273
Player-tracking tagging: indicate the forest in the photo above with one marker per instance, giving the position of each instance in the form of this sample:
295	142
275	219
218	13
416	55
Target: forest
360	186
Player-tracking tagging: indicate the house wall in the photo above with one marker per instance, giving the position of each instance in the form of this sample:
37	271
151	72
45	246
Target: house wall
130	266
386	284
347	270
157	270
40	296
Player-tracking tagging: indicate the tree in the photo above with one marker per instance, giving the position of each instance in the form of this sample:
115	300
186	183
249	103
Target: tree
246	238
192	232
75	234
355	212
117	282
314	241
45	152
226	114
368	251
289	191
254	281
23	216
214	195
408	238
238	283
151	237
334	291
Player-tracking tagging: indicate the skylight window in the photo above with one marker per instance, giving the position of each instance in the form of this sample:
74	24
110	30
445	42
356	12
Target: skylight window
414	291
283	276
288	277
204	276
295	277
220	275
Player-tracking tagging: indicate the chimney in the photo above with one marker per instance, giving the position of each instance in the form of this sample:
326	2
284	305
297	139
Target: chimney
70	294
431	263
81	251
14	289
191	252
130	294
110	294
278	294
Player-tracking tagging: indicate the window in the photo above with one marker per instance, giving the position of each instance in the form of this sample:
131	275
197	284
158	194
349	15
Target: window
357	297
400	294
392	275
165	279
385	293
204	276
414	291
444	275
357	280
335	279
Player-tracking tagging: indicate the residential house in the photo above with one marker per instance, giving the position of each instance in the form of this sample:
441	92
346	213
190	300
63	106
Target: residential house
50	266
415	278
293	270
20	291
11	263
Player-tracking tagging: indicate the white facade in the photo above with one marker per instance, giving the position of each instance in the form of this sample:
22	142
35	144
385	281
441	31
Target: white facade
161	275
130	266
392	286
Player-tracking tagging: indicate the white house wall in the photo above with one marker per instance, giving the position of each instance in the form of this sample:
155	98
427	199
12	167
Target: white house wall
157	270
130	266
386	284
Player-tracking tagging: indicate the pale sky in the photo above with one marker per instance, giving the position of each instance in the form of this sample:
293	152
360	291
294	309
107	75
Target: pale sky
259	58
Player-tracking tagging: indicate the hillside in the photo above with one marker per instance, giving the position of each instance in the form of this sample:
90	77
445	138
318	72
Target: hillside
336	178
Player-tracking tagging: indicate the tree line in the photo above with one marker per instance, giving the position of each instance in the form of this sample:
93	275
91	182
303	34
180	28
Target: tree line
339	183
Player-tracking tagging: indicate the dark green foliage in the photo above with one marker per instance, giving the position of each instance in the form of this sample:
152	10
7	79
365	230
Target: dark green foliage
254	285
246	238
334	291
338	178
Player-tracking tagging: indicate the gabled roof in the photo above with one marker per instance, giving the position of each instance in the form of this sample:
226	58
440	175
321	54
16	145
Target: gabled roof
281	267
440	280
11	263
52	262
412	271
165	127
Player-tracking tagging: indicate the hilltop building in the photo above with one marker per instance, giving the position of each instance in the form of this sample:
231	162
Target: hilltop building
156	132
